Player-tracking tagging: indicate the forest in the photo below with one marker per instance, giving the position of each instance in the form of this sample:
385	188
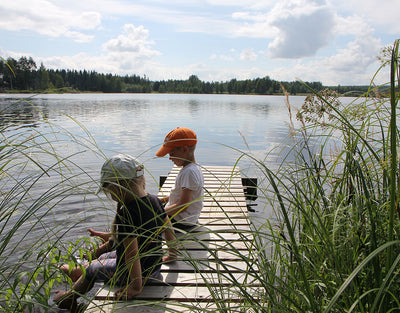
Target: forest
23	75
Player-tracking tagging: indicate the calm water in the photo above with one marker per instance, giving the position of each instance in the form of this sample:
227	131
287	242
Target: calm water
136	124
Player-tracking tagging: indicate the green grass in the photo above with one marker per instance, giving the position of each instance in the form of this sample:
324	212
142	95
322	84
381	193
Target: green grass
334	246
35	180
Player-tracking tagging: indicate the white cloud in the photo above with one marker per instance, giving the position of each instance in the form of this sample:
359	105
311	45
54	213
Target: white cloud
256	25
304	26
134	40
131	50
292	30
352	65
128	53
248	55
357	57
222	57
77	36
45	18
384	14
183	16
352	25
254	4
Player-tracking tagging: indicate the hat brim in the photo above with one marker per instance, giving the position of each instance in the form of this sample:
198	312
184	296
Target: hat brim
163	151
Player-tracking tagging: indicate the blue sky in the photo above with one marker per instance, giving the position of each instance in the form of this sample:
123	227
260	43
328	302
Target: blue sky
334	42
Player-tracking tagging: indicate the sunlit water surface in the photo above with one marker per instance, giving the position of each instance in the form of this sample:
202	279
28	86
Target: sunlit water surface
227	126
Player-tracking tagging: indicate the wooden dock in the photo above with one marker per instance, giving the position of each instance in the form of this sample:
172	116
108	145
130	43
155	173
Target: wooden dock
217	265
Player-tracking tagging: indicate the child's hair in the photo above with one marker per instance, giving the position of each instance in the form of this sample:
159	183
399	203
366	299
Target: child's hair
135	186
192	148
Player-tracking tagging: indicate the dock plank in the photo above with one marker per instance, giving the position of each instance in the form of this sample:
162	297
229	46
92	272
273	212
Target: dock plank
184	293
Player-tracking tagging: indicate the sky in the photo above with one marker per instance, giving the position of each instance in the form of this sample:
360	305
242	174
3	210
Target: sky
335	42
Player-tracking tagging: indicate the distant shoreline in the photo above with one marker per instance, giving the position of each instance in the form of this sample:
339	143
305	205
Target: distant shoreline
348	94
23	76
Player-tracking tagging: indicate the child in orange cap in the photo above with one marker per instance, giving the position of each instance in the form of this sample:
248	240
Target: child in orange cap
185	201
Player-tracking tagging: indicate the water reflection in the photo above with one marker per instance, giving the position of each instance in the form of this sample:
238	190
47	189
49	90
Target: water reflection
137	123
194	106
20	114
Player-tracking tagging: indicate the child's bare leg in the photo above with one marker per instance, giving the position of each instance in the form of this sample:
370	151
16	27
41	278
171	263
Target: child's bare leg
68	299
74	273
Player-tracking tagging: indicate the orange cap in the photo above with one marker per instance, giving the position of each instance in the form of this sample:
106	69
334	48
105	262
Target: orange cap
179	137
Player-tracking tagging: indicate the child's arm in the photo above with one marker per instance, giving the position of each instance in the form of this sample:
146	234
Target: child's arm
185	198
106	246
164	199
103	248
171	242
134	269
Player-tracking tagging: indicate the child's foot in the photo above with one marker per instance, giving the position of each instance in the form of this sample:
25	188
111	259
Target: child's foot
169	258
74	274
65	300
103	236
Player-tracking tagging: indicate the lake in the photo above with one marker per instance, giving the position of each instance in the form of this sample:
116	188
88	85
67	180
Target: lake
137	123
227	126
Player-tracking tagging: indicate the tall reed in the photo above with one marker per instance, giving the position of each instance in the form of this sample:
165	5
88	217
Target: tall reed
333	242
334	245
36	178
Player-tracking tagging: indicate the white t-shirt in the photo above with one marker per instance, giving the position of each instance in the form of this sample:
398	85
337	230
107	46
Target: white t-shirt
190	177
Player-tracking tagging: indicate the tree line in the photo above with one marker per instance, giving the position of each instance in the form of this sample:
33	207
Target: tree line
24	75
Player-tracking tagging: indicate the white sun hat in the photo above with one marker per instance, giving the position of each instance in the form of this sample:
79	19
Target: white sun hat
120	167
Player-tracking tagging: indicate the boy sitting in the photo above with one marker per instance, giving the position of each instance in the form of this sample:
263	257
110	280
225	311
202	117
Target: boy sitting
185	201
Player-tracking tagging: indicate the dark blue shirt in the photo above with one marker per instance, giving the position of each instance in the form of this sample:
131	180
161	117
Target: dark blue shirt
142	219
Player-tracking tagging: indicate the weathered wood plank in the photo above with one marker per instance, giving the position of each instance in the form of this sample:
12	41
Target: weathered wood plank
222	265
224	221
166	306
222	215
183	293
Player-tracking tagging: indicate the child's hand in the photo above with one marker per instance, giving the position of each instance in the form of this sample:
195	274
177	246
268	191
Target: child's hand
164	199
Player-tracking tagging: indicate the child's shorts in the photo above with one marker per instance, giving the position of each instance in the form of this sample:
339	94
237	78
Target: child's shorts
104	268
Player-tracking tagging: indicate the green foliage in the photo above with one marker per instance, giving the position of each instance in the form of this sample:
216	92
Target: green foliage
29	290
22	75
34	181
335	245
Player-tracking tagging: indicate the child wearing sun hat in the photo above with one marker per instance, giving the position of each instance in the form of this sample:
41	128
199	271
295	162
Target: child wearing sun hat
132	253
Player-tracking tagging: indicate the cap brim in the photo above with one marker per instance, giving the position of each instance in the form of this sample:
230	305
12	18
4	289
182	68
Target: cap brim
164	150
